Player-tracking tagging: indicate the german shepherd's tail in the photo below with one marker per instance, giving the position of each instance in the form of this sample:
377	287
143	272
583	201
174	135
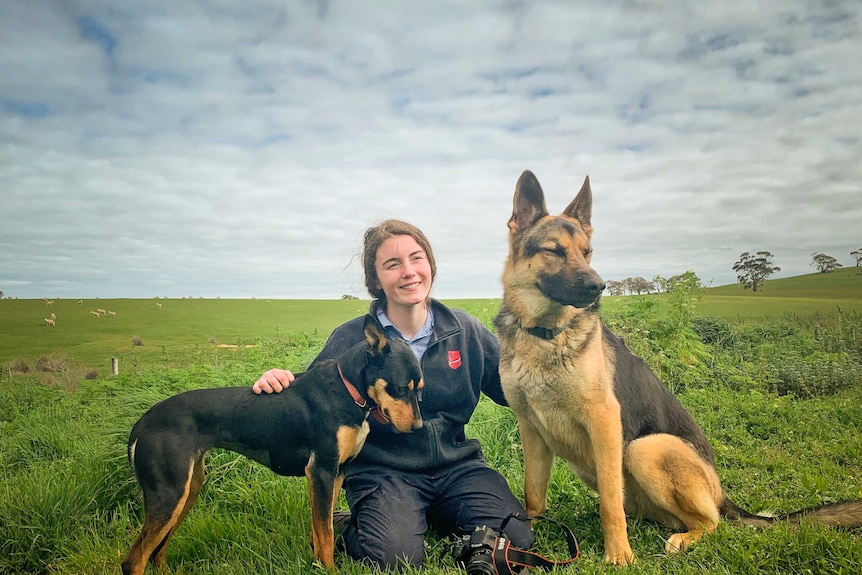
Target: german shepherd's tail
846	514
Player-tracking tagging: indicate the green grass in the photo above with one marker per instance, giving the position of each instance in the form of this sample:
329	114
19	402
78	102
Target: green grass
780	399
68	503
805	294
180	326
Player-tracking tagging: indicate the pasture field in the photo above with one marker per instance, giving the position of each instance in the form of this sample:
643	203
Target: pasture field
168	334
807	294
778	391
183	326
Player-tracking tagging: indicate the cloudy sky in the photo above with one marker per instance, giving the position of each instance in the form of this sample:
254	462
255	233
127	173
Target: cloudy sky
238	149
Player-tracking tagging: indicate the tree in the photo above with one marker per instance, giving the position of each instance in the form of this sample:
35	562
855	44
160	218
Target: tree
857	255
752	270
824	263
640	285
668	284
615	288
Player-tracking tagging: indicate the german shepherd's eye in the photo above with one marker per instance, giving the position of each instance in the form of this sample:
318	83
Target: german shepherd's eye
557	251
588	252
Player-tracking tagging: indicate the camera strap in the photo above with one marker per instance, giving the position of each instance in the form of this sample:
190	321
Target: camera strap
505	556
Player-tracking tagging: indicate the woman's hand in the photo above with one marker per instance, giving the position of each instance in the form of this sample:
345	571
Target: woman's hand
274	380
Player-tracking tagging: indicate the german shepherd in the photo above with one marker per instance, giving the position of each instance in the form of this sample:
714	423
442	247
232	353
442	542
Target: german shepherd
579	393
313	428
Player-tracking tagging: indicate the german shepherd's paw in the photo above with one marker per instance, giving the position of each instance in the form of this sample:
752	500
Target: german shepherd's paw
678	542
620	555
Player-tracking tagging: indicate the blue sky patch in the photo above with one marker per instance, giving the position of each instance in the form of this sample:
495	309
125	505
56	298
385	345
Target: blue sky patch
91	30
34	110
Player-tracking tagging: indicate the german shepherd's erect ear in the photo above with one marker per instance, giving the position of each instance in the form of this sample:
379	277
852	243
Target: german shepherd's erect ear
529	203
581	207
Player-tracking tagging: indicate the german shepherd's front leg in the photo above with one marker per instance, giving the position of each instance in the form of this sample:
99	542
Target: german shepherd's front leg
606	437
538	459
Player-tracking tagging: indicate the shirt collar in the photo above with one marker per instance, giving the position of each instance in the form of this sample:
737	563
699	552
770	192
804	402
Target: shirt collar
424	331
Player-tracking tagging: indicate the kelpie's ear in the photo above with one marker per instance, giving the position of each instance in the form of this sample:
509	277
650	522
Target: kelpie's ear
581	207
529	203
374	335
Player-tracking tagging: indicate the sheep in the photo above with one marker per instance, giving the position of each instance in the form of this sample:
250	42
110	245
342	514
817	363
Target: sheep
112	314
53	316
158	305
50	302
80	302
95	314
101	311
49	322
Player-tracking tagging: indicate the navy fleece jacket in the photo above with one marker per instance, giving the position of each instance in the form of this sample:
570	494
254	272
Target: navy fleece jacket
462	360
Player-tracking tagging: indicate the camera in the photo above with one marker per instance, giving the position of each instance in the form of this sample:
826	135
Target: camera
475	551
488	552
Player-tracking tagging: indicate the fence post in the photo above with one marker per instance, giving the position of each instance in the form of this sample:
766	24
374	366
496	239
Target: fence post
115	366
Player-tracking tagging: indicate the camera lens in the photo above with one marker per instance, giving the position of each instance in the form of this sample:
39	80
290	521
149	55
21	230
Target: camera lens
481	563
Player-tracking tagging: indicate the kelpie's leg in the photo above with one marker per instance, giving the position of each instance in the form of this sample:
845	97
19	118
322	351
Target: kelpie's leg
336	489
163	508
321	493
197	481
677	481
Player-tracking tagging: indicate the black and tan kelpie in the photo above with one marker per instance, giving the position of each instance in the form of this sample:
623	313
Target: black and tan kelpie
313	428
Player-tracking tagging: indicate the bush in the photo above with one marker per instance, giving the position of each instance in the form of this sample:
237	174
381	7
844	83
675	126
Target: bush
818	375
713	330
137	340
19	365
50	364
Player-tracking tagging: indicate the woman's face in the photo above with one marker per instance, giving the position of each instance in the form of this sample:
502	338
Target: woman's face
403	271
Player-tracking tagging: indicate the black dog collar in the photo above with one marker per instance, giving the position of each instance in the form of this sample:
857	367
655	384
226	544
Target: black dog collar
544	332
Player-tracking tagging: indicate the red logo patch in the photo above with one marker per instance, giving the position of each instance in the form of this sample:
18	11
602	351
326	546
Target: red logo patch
454	359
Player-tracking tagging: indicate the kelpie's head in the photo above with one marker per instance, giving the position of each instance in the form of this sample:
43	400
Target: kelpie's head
551	254
393	377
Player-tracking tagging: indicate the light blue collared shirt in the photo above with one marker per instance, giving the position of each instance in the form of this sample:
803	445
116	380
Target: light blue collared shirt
420	341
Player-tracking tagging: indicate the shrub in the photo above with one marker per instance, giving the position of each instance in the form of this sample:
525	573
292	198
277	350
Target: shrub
137	340
50	364
713	330
19	365
818	375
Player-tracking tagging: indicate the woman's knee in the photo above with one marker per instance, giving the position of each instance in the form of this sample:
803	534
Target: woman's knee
385	549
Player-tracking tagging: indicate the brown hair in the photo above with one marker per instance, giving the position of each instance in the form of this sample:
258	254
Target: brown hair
376	235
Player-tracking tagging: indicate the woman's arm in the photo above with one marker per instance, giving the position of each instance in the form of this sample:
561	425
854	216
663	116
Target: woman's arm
344	336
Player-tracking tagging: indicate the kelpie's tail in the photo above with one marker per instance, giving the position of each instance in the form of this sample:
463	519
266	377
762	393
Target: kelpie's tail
843	514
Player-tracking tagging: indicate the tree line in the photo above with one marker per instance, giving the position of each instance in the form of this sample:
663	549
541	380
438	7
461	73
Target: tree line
752	270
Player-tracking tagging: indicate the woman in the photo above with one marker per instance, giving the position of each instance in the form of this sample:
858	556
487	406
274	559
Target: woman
400	483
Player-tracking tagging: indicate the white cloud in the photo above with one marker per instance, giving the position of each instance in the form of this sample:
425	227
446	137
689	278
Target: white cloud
242	149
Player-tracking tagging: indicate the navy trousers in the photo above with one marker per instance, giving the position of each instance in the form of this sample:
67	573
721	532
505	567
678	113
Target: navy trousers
391	511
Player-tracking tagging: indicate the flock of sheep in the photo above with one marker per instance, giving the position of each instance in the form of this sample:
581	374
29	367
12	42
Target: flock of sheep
51	321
